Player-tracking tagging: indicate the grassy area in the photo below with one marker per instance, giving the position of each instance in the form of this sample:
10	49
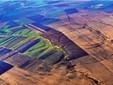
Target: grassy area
43	48
25	33
8	40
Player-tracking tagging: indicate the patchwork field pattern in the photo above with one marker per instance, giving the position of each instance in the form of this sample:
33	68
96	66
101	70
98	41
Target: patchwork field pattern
35	35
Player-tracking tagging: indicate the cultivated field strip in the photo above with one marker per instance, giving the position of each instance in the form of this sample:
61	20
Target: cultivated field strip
95	43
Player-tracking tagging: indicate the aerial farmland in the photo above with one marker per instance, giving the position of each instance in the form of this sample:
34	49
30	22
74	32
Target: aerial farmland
56	42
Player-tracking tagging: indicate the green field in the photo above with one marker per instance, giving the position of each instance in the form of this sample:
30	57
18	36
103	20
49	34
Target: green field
43	49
